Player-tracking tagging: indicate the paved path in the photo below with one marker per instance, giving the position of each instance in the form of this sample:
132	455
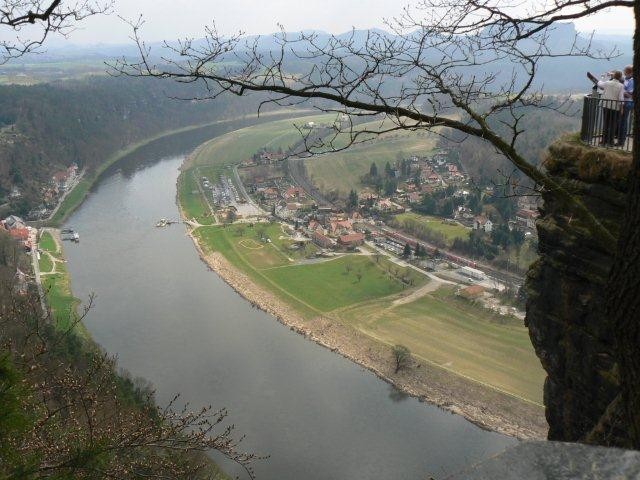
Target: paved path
432	286
36	270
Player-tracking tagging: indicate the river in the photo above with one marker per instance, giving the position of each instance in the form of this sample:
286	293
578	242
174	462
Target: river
172	321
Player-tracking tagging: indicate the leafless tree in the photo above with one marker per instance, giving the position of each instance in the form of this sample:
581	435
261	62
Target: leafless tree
462	65
467	65
33	21
67	414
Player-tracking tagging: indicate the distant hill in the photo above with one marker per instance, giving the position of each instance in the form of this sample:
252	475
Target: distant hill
554	75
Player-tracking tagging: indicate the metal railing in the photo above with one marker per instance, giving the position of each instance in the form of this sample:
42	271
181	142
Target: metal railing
607	123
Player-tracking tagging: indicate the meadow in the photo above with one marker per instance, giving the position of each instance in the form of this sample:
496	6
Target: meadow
342	171
237	146
453	333
57	286
413	223
317	287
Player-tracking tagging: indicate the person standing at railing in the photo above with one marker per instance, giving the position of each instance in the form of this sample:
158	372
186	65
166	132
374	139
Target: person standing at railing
623	130
611	101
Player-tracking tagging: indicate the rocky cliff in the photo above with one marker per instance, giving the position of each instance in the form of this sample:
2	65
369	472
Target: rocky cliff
565	290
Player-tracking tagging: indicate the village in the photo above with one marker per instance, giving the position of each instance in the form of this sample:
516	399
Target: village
54	192
260	190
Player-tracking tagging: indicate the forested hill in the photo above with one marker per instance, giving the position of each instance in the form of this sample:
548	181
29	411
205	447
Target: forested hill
540	127
47	127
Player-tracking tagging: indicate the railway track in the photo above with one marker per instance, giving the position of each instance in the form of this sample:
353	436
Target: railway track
299	177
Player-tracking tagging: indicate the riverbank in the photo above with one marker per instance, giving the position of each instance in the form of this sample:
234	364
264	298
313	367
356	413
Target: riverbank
479	404
56	285
76	196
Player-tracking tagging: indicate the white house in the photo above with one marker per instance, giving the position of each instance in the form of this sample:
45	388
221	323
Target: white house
482	223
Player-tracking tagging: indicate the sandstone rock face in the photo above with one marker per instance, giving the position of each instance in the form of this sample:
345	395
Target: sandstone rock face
565	289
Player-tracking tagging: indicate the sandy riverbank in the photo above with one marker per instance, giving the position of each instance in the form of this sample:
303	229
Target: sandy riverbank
481	405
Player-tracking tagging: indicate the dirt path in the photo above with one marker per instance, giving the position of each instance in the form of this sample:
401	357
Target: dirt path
432	286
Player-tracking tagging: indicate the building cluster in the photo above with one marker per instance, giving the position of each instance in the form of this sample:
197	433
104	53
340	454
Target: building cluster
263	157
280	195
437	170
60	183
18	230
334	230
483	223
417	176
526	215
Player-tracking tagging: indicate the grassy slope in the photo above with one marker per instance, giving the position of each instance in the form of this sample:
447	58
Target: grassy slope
234	147
57	287
451	332
45	264
342	170
450	231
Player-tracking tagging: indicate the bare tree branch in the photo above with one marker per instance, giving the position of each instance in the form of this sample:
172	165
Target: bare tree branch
460	65
41	19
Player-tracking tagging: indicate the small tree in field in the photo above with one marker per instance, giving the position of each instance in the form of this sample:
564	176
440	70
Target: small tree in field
401	356
407	251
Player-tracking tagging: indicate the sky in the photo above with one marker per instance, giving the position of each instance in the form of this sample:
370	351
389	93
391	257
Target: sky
172	19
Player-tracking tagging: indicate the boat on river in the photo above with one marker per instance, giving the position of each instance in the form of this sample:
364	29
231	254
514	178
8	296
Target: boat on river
70	234
163	222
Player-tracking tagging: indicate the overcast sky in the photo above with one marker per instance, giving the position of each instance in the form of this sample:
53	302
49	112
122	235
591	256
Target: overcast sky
170	19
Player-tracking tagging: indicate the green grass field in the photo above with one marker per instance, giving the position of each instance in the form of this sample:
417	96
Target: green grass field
60	299
47	243
446	330
311	288
191	200
240	145
450	231
337	283
57	287
45	264
342	171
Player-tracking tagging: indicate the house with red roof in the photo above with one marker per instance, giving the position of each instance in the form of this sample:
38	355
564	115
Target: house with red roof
351	239
322	240
293	192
